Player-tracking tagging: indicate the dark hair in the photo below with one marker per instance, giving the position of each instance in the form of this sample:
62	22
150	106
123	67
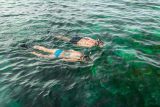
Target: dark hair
86	58
99	42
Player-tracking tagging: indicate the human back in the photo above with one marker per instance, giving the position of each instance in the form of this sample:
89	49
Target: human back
82	41
71	54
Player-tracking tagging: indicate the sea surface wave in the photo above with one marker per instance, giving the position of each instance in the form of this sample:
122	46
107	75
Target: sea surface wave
124	73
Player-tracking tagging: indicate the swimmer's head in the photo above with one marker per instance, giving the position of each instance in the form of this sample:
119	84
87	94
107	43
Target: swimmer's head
100	43
86	58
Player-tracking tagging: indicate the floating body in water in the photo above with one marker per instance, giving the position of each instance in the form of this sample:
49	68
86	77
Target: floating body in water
82	41
65	55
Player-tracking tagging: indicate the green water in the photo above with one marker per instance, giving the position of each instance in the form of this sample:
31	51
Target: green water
124	73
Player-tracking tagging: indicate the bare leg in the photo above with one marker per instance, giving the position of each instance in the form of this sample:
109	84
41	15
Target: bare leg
43	56
63	38
44	49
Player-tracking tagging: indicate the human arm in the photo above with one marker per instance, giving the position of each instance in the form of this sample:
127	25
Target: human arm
69	60
63	38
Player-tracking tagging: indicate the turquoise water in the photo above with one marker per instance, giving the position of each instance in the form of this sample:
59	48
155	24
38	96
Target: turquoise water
124	73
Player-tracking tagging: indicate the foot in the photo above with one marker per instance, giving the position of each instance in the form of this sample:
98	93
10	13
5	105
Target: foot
33	53
37	54
37	47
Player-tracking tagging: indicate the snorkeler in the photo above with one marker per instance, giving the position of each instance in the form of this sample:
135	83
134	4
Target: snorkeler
82	41
65	55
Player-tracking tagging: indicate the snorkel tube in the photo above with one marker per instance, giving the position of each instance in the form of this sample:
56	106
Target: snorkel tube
99	43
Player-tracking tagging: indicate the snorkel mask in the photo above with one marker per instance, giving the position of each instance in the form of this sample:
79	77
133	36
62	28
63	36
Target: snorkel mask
86	58
99	43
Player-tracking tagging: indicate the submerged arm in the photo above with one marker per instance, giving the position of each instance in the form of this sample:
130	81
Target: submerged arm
63	38
69	60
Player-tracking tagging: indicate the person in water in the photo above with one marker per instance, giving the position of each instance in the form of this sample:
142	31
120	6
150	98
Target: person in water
82	41
65	55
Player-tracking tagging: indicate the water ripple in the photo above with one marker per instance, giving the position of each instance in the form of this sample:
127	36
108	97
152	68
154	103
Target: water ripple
125	72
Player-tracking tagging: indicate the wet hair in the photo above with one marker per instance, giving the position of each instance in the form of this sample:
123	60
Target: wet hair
99	42
86	58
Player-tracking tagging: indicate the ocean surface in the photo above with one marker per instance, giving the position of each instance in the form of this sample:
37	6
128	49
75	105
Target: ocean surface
124	73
